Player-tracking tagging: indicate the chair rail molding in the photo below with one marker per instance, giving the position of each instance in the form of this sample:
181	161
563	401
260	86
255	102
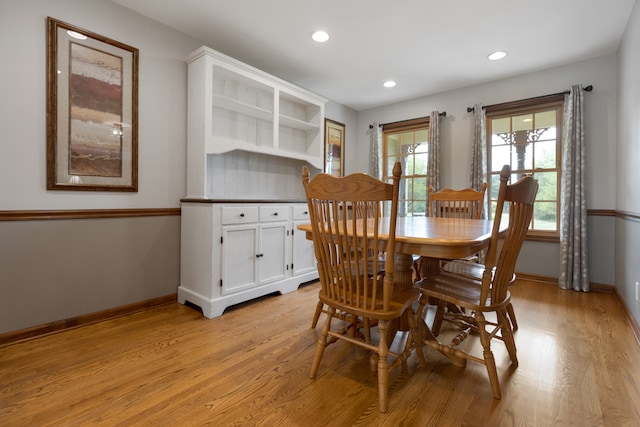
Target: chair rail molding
30	215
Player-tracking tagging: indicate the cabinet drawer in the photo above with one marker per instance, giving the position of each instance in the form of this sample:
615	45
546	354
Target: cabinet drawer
301	213
239	214
274	213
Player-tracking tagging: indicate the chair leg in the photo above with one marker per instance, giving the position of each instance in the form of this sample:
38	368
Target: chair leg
321	344
437	320
352	328
487	354
507	336
366	326
316	315
415	335
383	367
416	270
512	317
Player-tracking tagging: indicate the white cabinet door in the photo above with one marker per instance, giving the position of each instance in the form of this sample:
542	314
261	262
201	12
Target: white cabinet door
254	255
304	259
273	254
239	258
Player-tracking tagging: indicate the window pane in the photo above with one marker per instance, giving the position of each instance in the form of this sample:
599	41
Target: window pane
523	122
500	156
422	139
408	188
545	119
501	125
420	207
420	189
547	134
406	139
545	154
421	161
522	156
409	208
545	215
407	168
547	186
393	145
497	139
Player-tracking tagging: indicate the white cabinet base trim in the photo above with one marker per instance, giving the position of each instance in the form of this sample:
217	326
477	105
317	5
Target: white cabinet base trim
215	307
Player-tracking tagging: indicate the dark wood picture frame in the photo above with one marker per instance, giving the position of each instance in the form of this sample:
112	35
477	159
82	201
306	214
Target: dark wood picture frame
92	111
334	147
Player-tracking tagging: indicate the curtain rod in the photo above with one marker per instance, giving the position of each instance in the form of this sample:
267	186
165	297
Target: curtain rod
586	89
443	114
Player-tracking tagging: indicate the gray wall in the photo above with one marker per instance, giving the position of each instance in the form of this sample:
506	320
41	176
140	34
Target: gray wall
627	229
162	104
58	269
55	270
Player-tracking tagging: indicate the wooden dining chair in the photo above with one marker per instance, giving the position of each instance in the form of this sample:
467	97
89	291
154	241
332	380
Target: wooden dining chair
449	203
490	294
378	258
350	283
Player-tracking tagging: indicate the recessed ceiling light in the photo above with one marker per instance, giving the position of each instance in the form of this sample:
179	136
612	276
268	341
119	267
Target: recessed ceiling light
320	36
389	83
497	55
77	35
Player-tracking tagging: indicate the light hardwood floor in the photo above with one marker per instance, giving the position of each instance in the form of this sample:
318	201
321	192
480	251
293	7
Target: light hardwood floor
170	366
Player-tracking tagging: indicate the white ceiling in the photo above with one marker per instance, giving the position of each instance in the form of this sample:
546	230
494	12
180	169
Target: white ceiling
427	46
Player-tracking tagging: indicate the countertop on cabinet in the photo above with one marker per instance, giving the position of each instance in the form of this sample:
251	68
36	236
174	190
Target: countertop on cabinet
263	201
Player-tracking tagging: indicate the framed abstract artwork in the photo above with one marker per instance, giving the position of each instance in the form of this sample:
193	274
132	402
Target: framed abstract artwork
92	111
334	147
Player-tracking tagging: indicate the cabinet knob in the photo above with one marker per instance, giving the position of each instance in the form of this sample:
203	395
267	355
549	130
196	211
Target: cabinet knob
241	215
305	213
275	214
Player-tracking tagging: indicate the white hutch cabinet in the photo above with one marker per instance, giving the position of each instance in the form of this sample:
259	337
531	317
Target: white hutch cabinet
233	106
249	134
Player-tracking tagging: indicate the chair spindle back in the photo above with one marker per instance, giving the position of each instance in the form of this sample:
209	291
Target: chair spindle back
346	218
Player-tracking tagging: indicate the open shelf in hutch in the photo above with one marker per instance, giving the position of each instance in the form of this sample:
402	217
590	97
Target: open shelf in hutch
234	106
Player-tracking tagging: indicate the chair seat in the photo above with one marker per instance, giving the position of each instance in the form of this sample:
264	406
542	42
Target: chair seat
466	268
469	269
461	290
401	300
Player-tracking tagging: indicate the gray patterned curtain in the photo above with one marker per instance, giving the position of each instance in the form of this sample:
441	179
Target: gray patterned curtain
574	272
433	168
375	144
478	173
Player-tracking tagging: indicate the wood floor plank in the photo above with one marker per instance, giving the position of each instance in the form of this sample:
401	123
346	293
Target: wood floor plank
579	364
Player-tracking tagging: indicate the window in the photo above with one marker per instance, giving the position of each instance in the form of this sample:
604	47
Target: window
407	142
527	135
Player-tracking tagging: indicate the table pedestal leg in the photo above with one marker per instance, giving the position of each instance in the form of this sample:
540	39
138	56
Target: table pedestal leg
402	277
403	272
